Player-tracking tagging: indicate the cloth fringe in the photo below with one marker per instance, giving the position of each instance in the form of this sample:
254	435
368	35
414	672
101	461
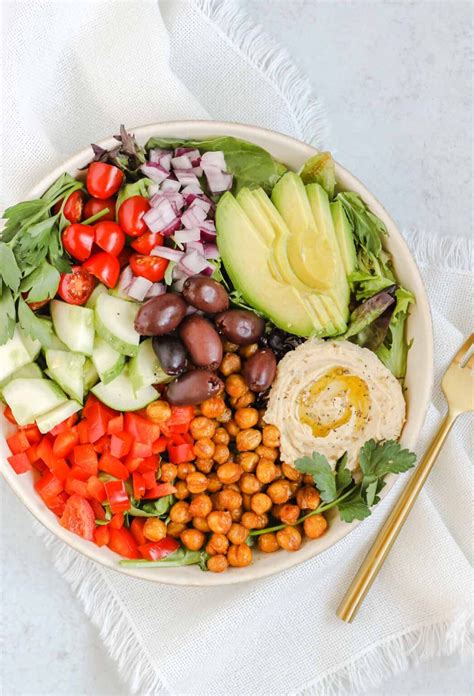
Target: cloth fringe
274	63
449	253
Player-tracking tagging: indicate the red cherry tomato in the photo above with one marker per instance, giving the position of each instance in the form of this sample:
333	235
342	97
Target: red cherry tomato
150	267
78	240
109	237
78	517
130	215
72	210
34	306
105	267
96	205
76	287
124	256
148	241
103	180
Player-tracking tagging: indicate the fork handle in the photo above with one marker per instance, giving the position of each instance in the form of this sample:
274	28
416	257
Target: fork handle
385	539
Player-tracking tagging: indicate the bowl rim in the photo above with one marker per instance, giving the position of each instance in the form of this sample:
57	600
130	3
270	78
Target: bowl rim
212	128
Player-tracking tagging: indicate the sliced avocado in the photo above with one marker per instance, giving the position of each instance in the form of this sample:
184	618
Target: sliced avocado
345	238
309	253
246	260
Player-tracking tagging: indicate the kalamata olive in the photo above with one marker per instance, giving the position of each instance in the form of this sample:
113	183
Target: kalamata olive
171	353
202	342
240	326
160	315
193	388
205	294
259	370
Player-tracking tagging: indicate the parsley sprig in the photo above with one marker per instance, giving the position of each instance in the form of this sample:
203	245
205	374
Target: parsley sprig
337	487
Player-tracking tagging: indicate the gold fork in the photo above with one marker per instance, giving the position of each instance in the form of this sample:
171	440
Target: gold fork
458	388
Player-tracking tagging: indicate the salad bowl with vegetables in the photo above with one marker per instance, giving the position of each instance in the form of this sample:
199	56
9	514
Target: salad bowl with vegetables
215	352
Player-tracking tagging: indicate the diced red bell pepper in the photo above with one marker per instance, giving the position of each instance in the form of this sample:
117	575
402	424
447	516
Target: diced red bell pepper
159	490
33	434
120	444
154	550
138	485
8	413
102	535
136	528
78	517
65	425
102	445
19	463
141	429
179	454
79	473
85	458
141	449
96	489
48	487
18	442
60	468
65	442
32	454
75	486
133	463
180	415
99	512
45	451
40	466
83	430
178	429
115	425
98	417
149	464
113	466
117	521
159	445
58	504
149	478
117	496
122	542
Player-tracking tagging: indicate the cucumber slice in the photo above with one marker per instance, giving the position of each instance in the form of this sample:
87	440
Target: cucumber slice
97	291
67	369
32	345
74	326
108	362
31	398
120	394
32	370
91	375
59	414
13	355
144	369
114	322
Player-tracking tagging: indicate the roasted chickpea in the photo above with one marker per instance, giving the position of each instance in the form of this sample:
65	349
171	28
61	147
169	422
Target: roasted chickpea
291	473
294	486
236	514
202	427
248	461
217	563
174	529
221	454
246	500
261	419
168	472
158	411
239	555
268	543
200	506
243	401
226	416
201	524
193	539
213	483
184	470
279	491
271	436
232	428
315	526
218	543
219	521
230	364
229	472
289	513
260	503
246	417
276	510
308	498
248	439
278	474
267	452
196	482
249	484
230	347
235	385
182	490
253	521
289	538
229	500
308	480
204	448
248	351
237	534
221	437
180	513
213	407
266	470
154	529
204	465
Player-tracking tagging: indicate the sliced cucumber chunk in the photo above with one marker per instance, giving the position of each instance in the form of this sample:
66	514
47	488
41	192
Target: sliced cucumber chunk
32	345
144	369
120	394
67	369
31	398
32	371
115	323
13	355
97	291
108	361
59	414
74	326
91	376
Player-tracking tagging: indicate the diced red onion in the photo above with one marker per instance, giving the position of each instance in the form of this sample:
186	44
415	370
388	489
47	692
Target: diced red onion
154	188
186	176
199	203
218	181
214	159
172	227
208	231
211	252
194	155
126	277
181	162
138	288
179	284
157	154
197	171
192	188
155	290
173	197
160	216
154	171
193	263
208	271
167	253
189	235
195	246
192	217
170	185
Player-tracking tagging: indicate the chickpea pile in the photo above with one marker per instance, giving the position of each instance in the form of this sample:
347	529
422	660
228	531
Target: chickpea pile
236	483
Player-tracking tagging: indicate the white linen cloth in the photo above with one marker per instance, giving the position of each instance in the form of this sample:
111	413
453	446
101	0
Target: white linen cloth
73	72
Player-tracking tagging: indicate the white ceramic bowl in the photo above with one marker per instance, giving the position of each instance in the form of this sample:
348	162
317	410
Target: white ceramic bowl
418	381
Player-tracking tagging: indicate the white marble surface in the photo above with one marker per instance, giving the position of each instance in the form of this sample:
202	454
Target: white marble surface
397	84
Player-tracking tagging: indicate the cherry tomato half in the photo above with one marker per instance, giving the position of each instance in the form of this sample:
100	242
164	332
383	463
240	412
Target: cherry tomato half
150	267
130	215
72	210
103	180
105	267
124	257
109	237
148	241
78	240
96	205
76	287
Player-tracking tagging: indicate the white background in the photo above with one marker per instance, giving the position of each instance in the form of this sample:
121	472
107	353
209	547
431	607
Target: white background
397	84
